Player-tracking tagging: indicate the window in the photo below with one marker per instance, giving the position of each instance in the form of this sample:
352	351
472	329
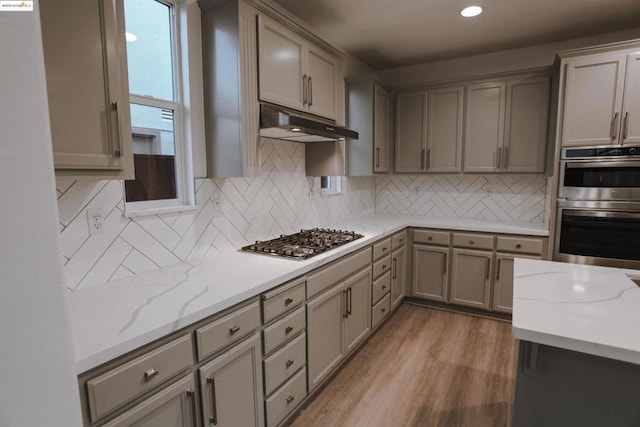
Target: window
163	179
330	185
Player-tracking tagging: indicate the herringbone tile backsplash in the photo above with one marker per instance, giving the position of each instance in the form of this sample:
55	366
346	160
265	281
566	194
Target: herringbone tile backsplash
233	212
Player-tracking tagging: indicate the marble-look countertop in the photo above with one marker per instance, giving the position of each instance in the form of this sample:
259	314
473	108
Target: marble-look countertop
108	320
594	310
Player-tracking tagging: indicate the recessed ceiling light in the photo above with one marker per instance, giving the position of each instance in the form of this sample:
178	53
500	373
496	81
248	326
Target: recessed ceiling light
130	37
471	11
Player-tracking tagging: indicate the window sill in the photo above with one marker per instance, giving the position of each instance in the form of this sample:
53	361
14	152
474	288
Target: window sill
159	211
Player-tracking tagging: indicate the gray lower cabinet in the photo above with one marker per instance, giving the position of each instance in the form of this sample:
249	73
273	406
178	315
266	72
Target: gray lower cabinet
174	406
231	386
430	272
502	300
471	277
398	275
337	321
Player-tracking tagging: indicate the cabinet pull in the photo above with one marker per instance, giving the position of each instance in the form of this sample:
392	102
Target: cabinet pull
518	246
384	267
116	137
424	154
191	396
471	242
377	157
288	301
383	310
488	267
288	330
288	363
304	89
384	287
498	268
430	238
444	263
310	91
213	419
290	399
625	126
151	373
395	268
234	329
614	126
346	303
505	157
350	300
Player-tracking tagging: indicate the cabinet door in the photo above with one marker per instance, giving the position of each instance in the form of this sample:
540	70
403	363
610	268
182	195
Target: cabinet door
593	100
280	64
174	406
398	276
526	125
322	74
631	111
484	127
231	386
444	130
88	94
357	324
381	111
430	272
471	278
411	136
503	284
324	333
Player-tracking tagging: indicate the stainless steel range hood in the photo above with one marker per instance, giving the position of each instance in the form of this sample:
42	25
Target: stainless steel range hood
282	124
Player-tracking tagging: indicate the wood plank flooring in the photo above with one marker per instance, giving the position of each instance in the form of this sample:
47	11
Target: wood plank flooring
424	367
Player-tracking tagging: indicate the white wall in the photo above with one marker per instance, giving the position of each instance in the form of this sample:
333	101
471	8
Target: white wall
37	376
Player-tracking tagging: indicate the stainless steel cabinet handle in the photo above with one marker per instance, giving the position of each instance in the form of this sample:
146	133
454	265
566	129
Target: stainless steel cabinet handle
498	268
395	268
384	287
377	157
290	399
422	158
288	301
151	373
213	419
488	268
384	266
288	330
444	264
117	152
346	303
234	329
304	89
625	126
191	396
614	126
288	363
350	300
310	91
505	157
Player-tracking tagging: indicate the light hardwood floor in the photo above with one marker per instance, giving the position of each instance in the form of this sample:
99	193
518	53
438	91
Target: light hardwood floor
424	367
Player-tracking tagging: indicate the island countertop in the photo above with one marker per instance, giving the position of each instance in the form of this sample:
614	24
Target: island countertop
590	309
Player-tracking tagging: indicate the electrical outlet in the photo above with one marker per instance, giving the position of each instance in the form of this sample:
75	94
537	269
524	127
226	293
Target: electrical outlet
95	218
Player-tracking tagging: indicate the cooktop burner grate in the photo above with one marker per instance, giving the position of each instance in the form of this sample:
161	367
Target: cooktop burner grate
304	244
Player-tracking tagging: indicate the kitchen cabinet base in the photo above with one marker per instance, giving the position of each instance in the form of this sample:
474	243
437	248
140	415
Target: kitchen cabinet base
458	308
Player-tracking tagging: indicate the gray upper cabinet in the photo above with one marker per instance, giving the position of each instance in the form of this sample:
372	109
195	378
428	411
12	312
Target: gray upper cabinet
444	130
411	132
631	107
368	113
484	127
87	87
295	73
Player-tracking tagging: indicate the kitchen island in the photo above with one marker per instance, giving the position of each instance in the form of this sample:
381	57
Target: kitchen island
579	354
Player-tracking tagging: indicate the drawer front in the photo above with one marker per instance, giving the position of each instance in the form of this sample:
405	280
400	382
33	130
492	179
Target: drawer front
381	286
398	240
432	237
382	266
325	277
228	329
279	367
476	241
522	245
277	334
381	248
287	398
116	387
381	310
279	304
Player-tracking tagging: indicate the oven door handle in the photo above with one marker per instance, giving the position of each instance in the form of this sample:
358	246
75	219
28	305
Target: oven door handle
603	164
601	214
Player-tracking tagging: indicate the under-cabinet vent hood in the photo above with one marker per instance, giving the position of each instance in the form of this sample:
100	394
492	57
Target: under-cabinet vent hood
281	124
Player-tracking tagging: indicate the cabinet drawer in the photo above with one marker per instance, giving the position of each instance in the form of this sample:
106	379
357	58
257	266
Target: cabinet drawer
381	248
521	245
382	266
432	237
285	400
325	277
398	240
381	310
470	240
280	301
228	329
282	330
381	286
117	386
285	362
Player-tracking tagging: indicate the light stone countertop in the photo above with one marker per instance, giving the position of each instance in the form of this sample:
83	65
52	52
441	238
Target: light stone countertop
109	320
593	310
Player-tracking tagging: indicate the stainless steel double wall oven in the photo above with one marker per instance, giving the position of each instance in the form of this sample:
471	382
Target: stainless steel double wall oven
598	215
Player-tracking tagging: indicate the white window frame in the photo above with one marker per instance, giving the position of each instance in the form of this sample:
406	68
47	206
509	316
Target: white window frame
185	190
335	186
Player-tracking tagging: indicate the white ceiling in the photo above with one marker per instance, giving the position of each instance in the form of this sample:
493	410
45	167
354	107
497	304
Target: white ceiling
392	33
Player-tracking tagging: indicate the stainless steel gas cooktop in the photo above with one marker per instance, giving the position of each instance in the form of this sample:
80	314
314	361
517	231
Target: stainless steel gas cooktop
304	244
